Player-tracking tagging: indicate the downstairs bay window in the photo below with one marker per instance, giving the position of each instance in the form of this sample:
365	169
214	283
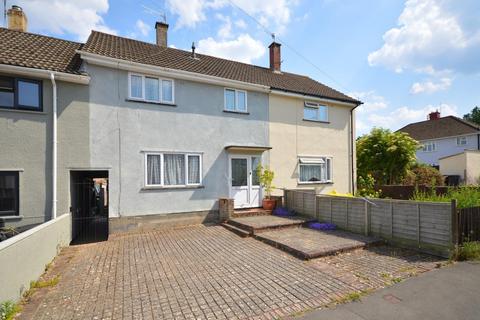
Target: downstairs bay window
315	170
173	169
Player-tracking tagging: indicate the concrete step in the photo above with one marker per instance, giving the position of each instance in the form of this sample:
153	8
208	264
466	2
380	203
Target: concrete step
257	224
242	233
250	212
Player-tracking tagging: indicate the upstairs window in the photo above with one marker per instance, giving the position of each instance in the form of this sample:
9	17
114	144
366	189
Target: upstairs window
315	170
235	100
429	147
315	112
151	89
461	141
9	193
22	94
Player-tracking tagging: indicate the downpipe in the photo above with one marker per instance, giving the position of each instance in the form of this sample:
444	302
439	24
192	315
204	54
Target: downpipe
54	146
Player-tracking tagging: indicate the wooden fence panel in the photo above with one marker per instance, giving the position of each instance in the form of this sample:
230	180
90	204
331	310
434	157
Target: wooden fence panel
469	224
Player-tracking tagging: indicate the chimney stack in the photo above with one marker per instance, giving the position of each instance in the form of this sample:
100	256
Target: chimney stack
162	30
275	58
434	115
17	20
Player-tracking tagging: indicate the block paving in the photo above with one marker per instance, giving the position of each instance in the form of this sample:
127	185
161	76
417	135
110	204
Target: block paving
205	272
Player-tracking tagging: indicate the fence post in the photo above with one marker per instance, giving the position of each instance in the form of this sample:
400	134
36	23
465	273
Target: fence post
418	224
331	211
315	206
391	219
285	198
454	223
346	204
366	219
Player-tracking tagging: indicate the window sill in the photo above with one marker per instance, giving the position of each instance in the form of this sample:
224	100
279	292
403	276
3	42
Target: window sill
315	182
182	187
23	111
237	112
11	217
317	121
152	102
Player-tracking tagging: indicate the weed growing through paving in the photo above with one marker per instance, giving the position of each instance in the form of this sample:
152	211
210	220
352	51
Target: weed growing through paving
45	283
353	296
8	310
467	251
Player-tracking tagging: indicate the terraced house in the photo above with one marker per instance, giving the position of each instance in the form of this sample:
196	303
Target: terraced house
140	130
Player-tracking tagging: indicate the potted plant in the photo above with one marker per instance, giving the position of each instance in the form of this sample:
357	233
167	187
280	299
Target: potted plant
266	177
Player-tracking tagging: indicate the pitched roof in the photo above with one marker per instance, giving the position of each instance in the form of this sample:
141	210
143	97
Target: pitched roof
39	52
449	126
151	54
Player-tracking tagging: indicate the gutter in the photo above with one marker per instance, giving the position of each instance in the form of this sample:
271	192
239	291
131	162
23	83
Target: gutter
352	146
54	146
45	74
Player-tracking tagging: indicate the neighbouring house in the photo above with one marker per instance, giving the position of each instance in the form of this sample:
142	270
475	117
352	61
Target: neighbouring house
443	136
35	71
465	165
148	130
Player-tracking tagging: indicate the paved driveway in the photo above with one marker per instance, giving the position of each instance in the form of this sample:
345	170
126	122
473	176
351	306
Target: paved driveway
206	273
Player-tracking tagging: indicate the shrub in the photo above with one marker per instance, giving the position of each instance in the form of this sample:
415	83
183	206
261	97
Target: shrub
422	174
266	178
366	187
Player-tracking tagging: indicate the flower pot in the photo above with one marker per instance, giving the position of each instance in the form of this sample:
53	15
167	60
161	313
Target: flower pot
268	204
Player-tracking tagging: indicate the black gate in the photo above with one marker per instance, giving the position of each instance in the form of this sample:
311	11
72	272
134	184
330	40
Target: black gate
89	208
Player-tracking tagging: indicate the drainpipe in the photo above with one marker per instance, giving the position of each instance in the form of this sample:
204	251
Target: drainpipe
54	146
352	146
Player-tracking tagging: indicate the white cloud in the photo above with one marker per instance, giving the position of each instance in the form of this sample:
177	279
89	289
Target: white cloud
371	101
402	116
189	12
66	16
430	86
142	27
225	30
435	34
244	48
241	24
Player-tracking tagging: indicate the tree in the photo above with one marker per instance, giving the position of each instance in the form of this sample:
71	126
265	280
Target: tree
473	116
385	155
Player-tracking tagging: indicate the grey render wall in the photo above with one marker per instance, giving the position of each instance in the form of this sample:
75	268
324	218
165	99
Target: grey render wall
415	224
446	147
26	145
121	131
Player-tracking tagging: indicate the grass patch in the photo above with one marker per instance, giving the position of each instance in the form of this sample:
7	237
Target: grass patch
467	251
44	283
8	310
352	296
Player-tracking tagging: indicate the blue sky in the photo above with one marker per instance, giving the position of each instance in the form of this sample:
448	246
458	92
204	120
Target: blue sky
402	58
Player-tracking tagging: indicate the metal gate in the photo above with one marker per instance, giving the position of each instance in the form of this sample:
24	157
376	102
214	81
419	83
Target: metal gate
89	210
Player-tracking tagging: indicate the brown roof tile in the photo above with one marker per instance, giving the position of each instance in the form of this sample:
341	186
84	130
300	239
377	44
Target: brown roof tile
146	53
449	126
40	52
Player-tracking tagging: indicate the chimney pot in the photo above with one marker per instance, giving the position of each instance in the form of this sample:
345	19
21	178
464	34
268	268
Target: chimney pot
434	115
17	19
275	57
162	32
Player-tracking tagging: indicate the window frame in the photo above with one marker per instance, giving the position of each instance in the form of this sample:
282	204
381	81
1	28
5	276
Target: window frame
16	105
463	138
432	143
160	89
15	213
162	170
329	168
317	106
235	109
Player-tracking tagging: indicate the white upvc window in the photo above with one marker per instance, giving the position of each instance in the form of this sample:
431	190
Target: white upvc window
429	147
173	169
461	141
151	89
315	112
235	100
315	170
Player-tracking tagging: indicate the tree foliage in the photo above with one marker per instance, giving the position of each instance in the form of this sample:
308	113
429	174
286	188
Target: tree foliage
473	116
385	155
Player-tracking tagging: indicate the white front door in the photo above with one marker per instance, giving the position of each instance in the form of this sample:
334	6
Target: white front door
244	185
